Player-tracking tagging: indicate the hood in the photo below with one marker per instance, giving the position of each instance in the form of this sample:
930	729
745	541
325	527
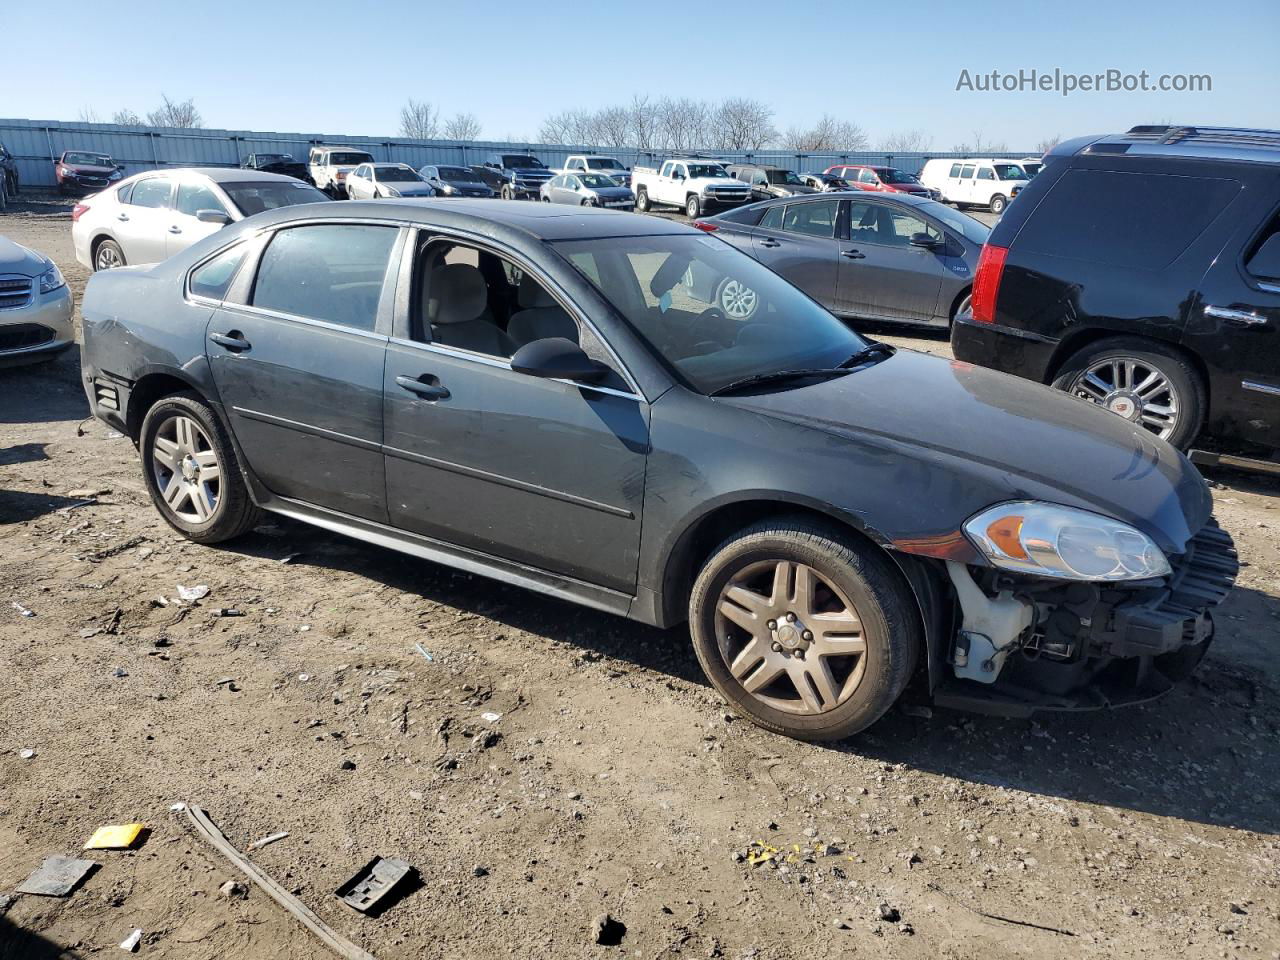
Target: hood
90	169
613	193
1004	438
530	171
15	258
911	188
407	189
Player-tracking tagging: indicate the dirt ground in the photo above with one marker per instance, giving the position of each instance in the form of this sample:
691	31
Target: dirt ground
613	780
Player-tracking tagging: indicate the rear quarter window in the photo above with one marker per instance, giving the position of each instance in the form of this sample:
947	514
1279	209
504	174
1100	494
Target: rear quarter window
1138	220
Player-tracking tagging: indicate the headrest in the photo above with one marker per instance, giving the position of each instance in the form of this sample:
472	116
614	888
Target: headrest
456	293
669	274
533	295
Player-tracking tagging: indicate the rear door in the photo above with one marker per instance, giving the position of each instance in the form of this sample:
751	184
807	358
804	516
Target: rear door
184	226
297	352
141	226
798	241
882	276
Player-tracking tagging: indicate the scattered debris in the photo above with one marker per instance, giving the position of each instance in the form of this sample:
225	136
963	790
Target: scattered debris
22	611
335	941
229	612
373	882
304	677
26	753
57	876
289	558
269	838
233	890
103	554
192	594
177	807
130	943
607	931
119	673
115	836
229	683
347	765
479	871
917	710
422	650
490	717
6	901
889	914
83	493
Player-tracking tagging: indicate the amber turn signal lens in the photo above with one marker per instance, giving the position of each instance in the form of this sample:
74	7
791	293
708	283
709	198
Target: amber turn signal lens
1006	533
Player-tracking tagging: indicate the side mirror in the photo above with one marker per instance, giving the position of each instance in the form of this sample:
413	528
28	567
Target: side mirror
213	216
558	359
925	241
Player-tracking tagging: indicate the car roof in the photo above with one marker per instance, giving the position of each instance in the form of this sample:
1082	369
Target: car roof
324	147
538	221
391	163
1190	142
227	174
906	199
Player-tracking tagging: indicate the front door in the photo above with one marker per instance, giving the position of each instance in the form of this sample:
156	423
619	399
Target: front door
882	276
547	473
798	241
184	226
298	354
142	225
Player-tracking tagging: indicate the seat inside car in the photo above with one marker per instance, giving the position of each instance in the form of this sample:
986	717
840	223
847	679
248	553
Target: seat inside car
540	316
456	305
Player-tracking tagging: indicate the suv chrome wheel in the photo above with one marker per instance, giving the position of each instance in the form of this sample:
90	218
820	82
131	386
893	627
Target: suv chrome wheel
790	637
186	470
1131	388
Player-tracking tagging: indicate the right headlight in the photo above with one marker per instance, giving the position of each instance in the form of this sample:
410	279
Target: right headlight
1048	540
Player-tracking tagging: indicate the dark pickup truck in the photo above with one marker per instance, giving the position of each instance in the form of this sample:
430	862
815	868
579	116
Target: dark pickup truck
280	163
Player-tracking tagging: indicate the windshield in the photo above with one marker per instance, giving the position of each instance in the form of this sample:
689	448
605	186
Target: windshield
274	158
348	159
604	163
1009	171
961	223
710	312
783	176
520	160
1032	167
457	173
251	198
396	174
707	170
894	175
596	180
88	159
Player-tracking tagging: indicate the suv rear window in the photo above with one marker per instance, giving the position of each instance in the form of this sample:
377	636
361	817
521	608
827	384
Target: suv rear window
1135	220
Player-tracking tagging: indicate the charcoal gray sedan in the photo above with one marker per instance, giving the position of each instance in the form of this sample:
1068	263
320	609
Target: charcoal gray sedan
545	396
588	190
862	256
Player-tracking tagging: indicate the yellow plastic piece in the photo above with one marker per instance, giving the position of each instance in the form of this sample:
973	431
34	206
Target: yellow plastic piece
115	837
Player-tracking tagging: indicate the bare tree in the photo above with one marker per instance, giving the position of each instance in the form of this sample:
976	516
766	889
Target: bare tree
827	134
126	118
419	120
907	141
742	124
173	113
88	115
644	122
463	126
1048	143
682	124
980	145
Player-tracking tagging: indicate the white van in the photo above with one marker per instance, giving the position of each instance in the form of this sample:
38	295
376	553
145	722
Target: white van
979	182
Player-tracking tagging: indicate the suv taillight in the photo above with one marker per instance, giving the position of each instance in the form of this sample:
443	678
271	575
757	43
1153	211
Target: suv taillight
78	211
986	284
706	227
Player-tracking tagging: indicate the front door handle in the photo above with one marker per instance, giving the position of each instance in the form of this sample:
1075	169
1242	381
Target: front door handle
175	229
853	255
1241	318
770	243
233	341
424	389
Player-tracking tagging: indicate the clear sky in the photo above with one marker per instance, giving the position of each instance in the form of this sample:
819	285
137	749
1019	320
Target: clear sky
889	66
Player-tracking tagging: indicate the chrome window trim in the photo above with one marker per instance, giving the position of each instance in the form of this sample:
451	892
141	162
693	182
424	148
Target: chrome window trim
1261	387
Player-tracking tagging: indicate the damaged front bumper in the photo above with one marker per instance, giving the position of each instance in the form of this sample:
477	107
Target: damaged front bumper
1084	646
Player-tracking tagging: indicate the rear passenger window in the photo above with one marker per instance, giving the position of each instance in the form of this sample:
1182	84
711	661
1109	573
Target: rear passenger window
330	272
1139	220
213	278
1264	260
966	171
817	218
153	192
773	218
955	170
986	174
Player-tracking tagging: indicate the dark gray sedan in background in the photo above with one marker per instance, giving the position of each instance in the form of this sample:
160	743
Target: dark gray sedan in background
455	181
544	396
862	256
588	190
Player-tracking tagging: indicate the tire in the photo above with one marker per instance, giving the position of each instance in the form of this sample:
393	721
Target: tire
998	203
507	193
847	574
108	255
692	206
964	305
642	200
203	510
1185	393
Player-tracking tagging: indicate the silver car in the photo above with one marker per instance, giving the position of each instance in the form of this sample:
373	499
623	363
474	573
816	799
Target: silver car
35	306
588	190
369	181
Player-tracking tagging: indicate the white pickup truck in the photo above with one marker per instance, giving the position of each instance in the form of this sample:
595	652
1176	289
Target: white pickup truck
596	163
691	183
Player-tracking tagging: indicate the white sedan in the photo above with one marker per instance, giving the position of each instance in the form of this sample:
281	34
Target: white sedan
372	180
153	215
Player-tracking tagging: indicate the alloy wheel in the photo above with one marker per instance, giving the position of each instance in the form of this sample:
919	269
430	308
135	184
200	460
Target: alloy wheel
790	637
1131	388
108	257
185	467
737	300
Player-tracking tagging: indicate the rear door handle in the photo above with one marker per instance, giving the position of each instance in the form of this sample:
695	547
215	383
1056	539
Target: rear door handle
427	391
233	341
853	255
1241	318
175	229
122	216
770	243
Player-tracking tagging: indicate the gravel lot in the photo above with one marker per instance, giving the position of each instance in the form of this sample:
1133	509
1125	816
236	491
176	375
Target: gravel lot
613	781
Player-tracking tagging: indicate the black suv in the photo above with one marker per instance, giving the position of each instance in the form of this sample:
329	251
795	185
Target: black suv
1141	272
769	182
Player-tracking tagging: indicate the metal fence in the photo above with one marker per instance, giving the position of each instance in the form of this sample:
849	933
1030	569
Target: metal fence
37	143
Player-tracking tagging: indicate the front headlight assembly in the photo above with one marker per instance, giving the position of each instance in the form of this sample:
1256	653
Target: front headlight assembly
1047	540
51	279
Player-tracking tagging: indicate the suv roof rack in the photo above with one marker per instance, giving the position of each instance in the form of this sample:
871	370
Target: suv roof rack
1206	143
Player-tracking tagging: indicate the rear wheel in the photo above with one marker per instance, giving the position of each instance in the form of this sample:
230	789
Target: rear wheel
642	200
1147	383
108	256
693	206
964	306
997	204
806	630
191	471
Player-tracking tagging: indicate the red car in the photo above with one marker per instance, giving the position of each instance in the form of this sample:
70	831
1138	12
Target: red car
882	180
83	171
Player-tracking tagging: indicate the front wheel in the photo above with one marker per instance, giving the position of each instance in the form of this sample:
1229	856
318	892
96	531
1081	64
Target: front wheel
1147	383
808	631
642	201
693	207
508	194
997	204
